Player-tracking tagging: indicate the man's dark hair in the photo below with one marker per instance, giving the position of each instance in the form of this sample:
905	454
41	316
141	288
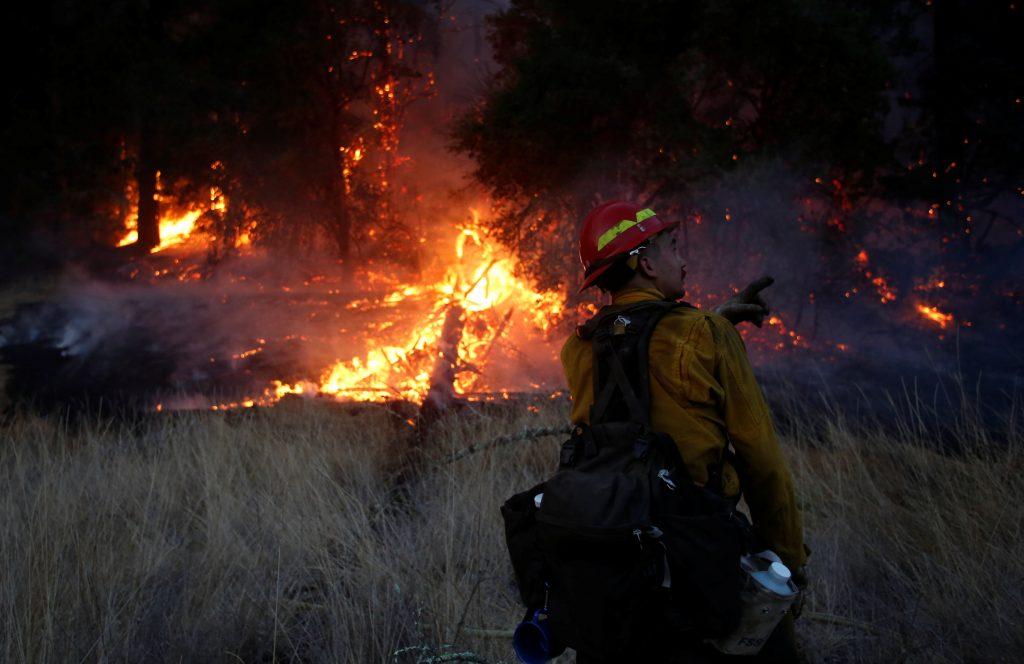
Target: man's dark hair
615	277
620	273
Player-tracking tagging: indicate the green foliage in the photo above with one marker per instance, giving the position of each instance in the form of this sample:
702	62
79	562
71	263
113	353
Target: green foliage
652	98
298	96
964	130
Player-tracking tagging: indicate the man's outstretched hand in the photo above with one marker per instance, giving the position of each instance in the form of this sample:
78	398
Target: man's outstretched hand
747	305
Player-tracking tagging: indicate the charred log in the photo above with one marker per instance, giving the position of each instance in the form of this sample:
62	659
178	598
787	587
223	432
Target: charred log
149	208
441	395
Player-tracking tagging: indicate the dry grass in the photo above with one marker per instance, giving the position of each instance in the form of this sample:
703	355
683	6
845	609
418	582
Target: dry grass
290	534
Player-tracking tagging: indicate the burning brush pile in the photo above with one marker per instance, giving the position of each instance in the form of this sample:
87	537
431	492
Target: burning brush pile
176	331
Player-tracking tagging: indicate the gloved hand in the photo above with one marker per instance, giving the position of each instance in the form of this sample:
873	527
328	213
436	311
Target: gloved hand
747	305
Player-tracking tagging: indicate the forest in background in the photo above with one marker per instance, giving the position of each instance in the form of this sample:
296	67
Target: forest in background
865	155
293	112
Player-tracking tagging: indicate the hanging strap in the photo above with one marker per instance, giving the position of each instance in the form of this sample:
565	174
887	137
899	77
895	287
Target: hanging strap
620	339
616	382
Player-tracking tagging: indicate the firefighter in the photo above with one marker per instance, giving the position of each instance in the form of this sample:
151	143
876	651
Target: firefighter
703	390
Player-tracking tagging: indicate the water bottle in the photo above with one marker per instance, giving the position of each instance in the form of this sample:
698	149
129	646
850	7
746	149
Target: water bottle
532	640
767	596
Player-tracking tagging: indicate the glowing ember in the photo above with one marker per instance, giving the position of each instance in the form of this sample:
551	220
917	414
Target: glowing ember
885	292
933	314
931	285
787	337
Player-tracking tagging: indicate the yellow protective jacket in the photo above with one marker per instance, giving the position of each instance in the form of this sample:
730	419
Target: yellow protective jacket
703	394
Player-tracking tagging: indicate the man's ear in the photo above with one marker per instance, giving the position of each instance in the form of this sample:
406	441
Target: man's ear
645	267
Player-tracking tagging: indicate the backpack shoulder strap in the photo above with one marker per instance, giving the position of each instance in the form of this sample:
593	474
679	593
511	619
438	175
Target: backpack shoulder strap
621	338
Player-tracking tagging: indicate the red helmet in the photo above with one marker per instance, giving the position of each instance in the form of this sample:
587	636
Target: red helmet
612	230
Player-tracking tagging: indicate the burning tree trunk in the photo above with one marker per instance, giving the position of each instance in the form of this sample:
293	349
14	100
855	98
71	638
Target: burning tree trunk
441	395
341	226
340	217
148	223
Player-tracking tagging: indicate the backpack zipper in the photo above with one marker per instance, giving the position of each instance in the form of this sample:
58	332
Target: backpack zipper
665	477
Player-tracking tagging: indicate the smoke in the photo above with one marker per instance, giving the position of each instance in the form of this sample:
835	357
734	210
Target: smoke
851	283
141	340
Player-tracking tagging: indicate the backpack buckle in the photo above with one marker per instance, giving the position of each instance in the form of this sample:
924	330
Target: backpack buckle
620	325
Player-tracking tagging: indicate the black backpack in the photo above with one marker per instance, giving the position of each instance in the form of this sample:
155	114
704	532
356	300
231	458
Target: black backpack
621	508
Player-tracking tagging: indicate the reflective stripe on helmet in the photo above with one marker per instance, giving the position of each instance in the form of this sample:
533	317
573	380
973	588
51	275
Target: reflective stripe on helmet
621	227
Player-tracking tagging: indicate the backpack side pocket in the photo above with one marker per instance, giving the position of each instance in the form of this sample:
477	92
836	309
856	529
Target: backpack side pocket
520	516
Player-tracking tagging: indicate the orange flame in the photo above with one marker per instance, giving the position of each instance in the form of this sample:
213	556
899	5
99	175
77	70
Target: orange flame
479	285
933	314
174	230
175	227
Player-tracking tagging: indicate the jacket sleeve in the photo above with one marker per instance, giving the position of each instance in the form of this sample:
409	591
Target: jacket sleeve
766	481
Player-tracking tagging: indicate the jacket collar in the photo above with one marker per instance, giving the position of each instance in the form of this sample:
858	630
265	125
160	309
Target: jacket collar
633	295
